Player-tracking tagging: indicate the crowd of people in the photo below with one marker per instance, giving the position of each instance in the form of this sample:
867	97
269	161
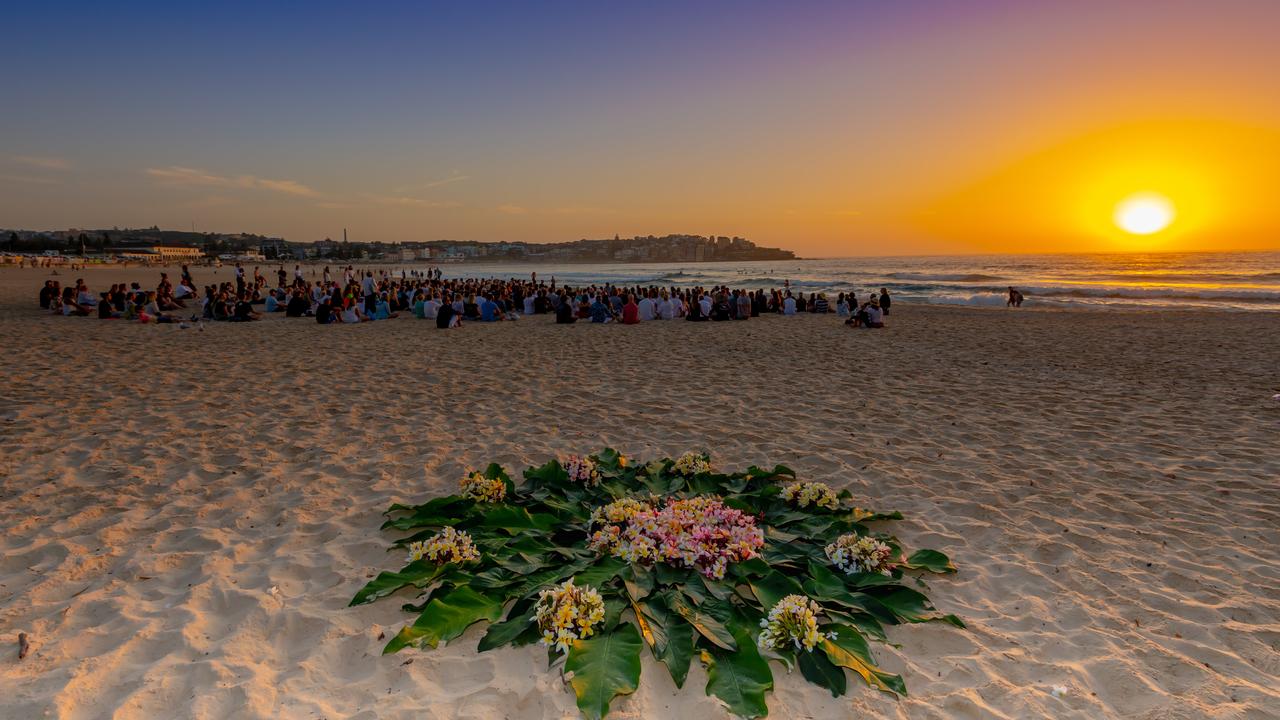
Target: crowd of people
356	296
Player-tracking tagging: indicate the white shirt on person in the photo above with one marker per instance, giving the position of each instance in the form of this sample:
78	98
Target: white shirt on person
705	305
431	308
646	309
874	315
667	309
789	306
528	304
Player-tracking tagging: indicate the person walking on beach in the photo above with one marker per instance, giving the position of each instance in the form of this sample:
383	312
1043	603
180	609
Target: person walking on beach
885	300
1015	298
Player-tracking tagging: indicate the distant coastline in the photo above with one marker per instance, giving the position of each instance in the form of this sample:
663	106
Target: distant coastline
164	245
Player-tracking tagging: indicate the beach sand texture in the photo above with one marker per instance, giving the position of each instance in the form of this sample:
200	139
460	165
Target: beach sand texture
184	515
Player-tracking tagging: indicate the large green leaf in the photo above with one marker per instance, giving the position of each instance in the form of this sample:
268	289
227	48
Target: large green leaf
773	587
604	666
513	519
445	618
702	620
509	631
671	637
419	573
818	670
930	560
552	474
599	574
740	679
910	606
437	512
849	649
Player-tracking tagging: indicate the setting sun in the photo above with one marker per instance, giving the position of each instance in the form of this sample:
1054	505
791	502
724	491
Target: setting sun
1144	214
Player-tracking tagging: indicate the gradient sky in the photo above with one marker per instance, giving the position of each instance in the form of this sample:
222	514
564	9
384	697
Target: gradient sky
849	128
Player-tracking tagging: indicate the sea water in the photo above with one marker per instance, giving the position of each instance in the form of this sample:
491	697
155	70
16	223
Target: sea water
1236	281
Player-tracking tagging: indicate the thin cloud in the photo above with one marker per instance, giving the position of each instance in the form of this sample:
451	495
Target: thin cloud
29	180
406	201
433	184
513	210
185	176
43	162
448	180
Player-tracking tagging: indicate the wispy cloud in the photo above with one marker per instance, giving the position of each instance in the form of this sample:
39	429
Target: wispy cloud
28	180
433	184
209	201
406	201
178	175
448	181
563	210
43	162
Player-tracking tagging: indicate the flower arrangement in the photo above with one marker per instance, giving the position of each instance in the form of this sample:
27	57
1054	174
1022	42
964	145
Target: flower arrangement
804	494
732	569
854	554
481	488
700	533
692	463
567	612
582	470
447	546
792	622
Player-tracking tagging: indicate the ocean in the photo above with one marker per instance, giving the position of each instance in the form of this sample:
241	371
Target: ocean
1228	281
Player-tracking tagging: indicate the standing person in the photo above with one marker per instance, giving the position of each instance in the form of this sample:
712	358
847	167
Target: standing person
1015	298
885	300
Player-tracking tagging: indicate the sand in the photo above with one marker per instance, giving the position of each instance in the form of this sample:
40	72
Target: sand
184	515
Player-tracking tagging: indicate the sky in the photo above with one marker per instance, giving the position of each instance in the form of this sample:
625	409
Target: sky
832	129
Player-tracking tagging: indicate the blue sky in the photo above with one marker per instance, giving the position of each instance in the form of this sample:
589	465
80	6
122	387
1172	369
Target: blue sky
546	121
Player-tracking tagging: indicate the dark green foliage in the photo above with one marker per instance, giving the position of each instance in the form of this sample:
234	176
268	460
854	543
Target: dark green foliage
540	534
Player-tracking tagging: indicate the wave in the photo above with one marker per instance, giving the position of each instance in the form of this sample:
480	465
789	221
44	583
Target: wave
968	277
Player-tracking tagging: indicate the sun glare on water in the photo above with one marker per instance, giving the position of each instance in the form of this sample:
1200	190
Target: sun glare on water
1144	214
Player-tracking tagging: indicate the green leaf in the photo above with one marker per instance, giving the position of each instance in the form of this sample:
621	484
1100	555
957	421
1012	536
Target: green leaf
445	618
672	638
419	573
712	628
508	631
513	519
910	606
773	587
599	574
849	649
604	666
817	669
550	474
740	679
639	581
930	560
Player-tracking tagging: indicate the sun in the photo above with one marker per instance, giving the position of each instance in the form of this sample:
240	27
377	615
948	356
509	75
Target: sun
1144	213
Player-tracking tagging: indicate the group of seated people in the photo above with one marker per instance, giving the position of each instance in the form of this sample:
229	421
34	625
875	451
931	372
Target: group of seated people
121	301
363	297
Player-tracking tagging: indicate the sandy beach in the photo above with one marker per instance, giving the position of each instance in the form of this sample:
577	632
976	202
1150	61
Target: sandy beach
184	515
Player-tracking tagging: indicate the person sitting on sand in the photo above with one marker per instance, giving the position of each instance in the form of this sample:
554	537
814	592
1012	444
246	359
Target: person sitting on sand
324	311
630	311
600	312
566	310
446	316
298	305
383	309
873	316
351	312
105	310
789	305
244	311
